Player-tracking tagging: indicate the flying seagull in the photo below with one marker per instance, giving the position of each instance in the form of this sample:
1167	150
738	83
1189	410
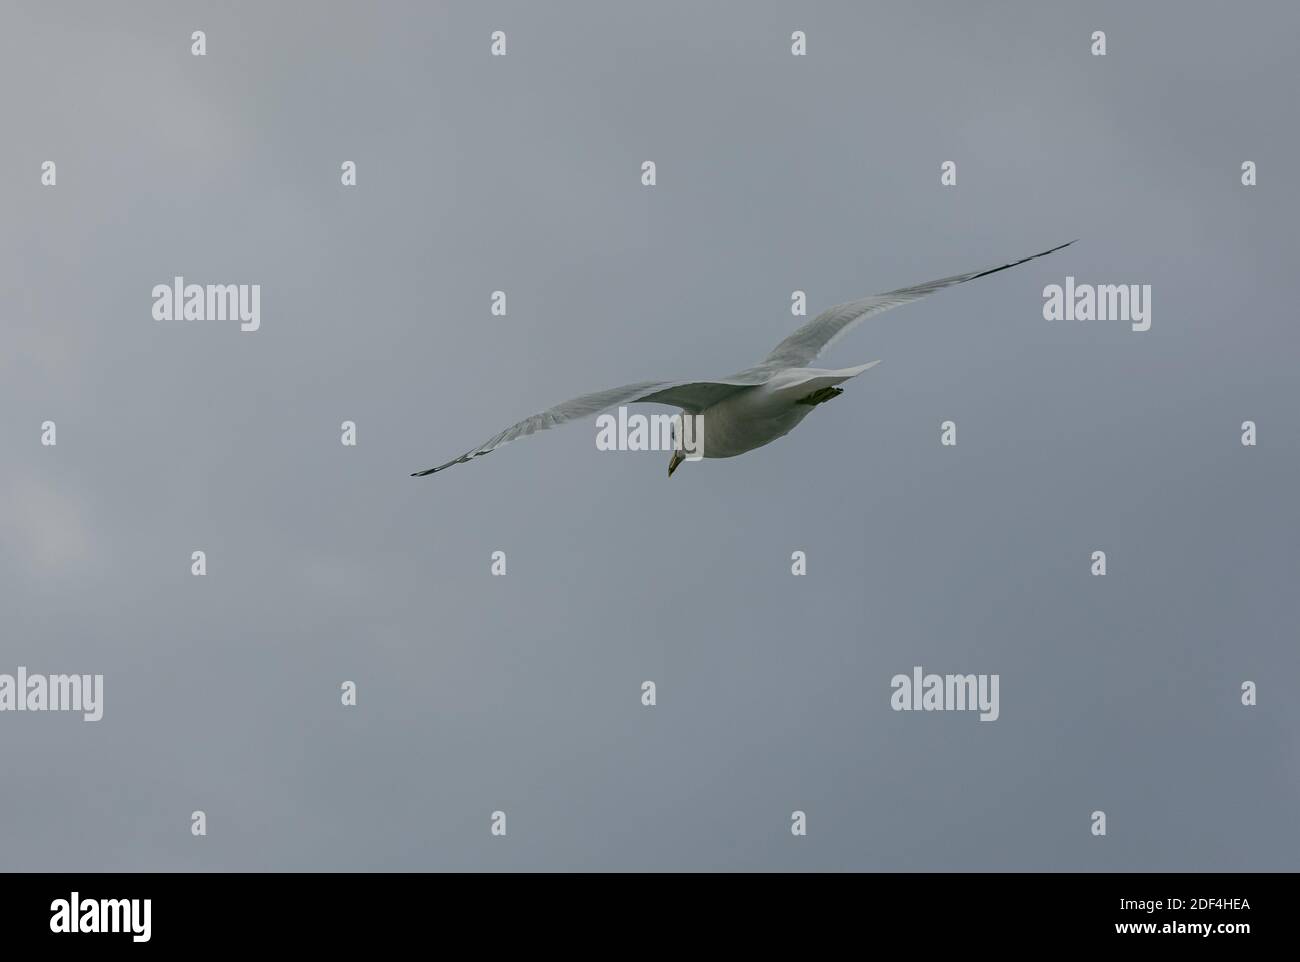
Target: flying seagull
759	404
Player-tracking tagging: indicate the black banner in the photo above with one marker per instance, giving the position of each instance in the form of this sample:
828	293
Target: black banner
373	911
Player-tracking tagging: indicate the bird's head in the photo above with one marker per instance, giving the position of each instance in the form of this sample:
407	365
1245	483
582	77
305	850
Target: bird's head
678	457
688	439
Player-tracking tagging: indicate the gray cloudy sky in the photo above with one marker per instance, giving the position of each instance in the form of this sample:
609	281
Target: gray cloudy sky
521	693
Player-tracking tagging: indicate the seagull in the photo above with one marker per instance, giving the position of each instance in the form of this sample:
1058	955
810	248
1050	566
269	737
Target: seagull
755	406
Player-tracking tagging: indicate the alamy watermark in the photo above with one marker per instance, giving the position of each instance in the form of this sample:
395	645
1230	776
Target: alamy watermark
1101	302
35	692
921	692
179	301
76	915
654	432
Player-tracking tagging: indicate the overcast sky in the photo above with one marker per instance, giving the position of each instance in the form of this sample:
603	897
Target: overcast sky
522	693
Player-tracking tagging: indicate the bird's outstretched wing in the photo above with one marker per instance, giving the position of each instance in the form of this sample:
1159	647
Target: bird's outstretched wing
691	396
801	347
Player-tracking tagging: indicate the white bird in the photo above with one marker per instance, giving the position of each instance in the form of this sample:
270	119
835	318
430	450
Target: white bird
759	404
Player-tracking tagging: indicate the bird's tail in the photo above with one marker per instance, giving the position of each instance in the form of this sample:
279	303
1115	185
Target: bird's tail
812	379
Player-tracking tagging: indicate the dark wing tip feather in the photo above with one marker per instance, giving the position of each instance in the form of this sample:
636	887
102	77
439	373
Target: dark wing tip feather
1024	260
463	459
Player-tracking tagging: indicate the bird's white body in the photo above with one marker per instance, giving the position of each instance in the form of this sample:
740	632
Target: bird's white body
759	415
752	407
